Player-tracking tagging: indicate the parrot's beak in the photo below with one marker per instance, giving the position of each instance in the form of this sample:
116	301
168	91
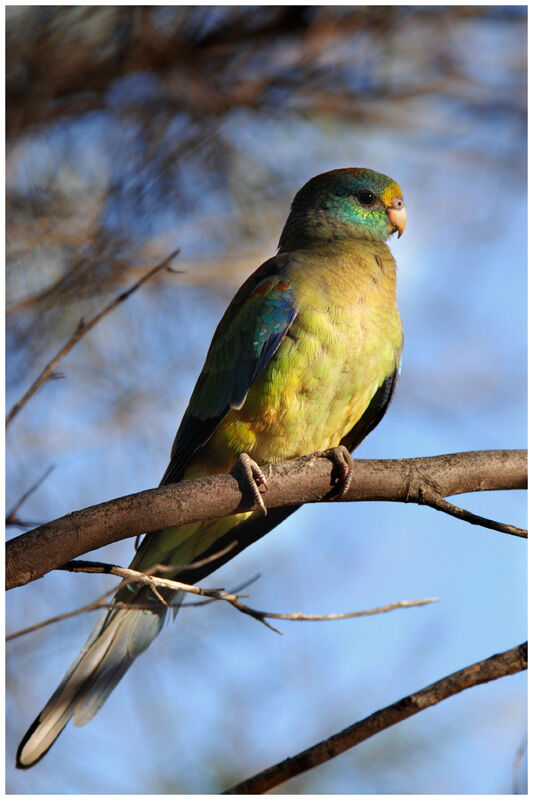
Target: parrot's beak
397	214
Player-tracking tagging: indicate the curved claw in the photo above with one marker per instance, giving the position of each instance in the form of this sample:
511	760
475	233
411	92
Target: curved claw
341	458
254	477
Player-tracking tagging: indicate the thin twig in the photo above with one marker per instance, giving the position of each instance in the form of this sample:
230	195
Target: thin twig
194	564
441	504
157	593
507	663
99	604
134	576
297	615
93	606
153	581
15	522
81	330
244	585
11	518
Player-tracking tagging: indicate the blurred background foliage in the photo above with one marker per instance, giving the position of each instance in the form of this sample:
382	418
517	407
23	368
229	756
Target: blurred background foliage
135	130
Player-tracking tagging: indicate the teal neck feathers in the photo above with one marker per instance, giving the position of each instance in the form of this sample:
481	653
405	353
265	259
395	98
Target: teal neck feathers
346	204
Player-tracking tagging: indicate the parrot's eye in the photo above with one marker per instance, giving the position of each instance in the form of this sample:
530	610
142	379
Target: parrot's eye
365	197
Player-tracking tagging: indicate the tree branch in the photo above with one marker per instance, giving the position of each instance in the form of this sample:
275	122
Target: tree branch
11	517
81	330
100	602
291	483
154	581
440	504
507	663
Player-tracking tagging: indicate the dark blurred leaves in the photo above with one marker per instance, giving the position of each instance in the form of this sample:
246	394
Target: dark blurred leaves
125	129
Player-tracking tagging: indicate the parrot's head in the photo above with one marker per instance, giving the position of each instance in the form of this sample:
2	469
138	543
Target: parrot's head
354	203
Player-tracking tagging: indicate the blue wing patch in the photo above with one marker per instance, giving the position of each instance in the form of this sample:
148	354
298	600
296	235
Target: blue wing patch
243	344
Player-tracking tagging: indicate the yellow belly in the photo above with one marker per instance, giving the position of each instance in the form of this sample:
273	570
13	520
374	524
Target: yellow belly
309	396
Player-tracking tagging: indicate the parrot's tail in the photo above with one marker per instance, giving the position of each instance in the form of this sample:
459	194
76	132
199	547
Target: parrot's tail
119	636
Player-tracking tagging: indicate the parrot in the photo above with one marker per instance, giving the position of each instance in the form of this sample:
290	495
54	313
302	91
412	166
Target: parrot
305	359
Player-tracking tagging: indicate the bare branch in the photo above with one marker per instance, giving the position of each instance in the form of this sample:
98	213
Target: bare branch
507	663
134	576
298	616
154	581
81	330
100	603
244	585
291	483
15	522
440	504
202	562
93	606
11	518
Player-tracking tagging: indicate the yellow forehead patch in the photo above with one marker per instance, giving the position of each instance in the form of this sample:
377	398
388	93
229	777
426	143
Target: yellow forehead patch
392	191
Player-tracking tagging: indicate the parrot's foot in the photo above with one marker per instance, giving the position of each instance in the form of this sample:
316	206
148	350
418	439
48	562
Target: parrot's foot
254	477
341	458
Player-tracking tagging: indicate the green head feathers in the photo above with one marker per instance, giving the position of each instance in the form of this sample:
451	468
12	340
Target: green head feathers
354	203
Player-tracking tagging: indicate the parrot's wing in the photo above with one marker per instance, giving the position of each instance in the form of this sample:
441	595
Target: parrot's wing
374	412
246	339
250	530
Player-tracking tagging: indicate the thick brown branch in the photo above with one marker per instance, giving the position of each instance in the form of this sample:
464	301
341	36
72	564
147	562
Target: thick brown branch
291	483
81	330
507	663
